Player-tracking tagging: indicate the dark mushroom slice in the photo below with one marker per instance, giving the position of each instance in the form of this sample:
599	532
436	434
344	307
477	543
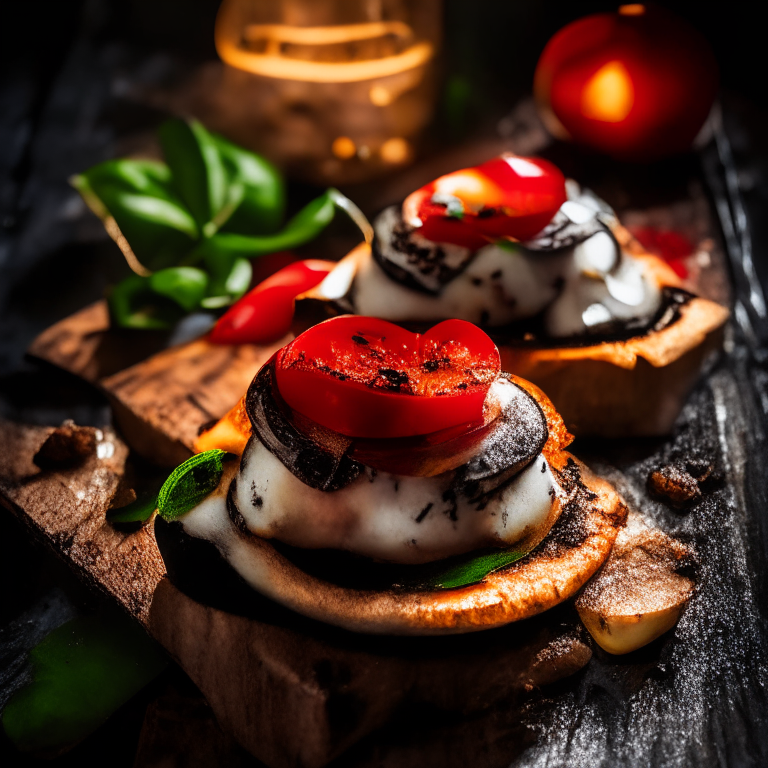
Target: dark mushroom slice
313	464
415	261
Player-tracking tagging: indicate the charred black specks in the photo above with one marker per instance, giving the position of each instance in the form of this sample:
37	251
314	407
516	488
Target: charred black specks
422	265
424	512
360	340
395	379
256	500
570	529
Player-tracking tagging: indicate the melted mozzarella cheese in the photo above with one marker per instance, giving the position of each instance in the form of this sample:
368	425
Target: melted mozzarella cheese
394	518
578	287
389	517
382	516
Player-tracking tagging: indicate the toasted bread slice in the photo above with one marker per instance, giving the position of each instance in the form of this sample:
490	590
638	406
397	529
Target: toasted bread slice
616	388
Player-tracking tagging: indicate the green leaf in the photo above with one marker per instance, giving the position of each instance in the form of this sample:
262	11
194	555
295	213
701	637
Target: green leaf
262	207
133	304
190	483
82	672
230	279
184	285
472	569
197	168
307	224
137	511
135	200
149	177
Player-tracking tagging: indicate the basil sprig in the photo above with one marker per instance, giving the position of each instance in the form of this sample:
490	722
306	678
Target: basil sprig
469	569
189	226
137	511
185	488
190	483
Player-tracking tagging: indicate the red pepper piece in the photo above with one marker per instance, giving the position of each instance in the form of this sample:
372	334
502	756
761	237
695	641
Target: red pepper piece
671	246
265	313
368	378
507	197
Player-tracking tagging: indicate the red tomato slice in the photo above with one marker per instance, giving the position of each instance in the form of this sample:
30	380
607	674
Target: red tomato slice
265	313
507	197
368	378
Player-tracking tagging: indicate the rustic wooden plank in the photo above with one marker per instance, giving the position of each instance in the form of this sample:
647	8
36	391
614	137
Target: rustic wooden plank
87	345
66	507
160	398
291	696
294	699
161	403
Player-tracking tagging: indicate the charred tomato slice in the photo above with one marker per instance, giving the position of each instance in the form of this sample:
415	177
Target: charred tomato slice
507	197
367	378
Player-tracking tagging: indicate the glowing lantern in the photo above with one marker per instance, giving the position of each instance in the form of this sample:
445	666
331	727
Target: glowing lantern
336	92
637	83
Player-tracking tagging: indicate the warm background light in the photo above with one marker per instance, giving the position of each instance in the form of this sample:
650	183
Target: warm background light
343	147
396	151
335	92
636	84
634	9
608	94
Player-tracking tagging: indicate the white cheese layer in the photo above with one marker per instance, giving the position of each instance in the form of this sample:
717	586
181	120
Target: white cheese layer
379	515
393	518
578	288
389	517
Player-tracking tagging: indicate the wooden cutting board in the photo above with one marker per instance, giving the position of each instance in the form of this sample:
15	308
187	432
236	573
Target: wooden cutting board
159	400
293	693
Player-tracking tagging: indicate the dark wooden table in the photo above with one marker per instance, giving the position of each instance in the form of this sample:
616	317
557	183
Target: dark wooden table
70	95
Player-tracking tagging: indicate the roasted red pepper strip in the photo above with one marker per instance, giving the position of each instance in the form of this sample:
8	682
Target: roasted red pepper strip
368	378
265	313
507	197
671	246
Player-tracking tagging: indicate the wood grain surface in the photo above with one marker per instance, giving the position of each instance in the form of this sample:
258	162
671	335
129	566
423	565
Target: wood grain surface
290	696
159	400
66	508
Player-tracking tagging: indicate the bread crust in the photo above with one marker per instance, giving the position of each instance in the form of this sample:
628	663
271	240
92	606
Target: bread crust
552	573
615	388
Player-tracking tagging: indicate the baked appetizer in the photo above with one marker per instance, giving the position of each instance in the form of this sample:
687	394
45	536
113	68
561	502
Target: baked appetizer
546	269
396	483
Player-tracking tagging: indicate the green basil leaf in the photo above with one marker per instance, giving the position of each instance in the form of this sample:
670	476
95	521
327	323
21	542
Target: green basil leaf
133	304
148	177
82	673
136	512
190	483
197	169
184	285
262	207
230	279
303	227
466	570
134	199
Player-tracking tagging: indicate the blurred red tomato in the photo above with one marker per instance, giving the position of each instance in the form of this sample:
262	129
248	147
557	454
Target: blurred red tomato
636	84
